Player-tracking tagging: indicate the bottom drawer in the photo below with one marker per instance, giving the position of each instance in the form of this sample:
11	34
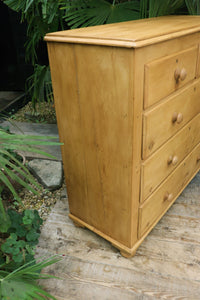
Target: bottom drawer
157	204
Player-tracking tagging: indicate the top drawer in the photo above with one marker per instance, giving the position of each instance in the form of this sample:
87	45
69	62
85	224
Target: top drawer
165	75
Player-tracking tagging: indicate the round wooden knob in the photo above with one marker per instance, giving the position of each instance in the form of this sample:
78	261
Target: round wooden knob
180	74
177	74
183	74
174	117
169	161
172	160
177	117
168	197
198	159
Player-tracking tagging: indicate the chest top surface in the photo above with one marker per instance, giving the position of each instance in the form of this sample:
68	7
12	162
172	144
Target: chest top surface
132	33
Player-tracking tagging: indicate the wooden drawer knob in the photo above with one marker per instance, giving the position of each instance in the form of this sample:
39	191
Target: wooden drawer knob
172	160
177	73
177	117
198	159
183	74
180	74
168	197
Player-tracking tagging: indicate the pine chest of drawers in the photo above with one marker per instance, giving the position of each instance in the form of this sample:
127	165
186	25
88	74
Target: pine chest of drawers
127	99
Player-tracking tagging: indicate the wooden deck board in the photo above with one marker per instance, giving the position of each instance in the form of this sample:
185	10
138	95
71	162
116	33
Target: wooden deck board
166	265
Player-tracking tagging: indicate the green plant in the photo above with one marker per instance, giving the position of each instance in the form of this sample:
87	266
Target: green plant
22	282
168	7
95	12
39	85
11	169
41	16
193	7
20	239
19	233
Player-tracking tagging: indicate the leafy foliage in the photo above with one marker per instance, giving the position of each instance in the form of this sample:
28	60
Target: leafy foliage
5	221
96	12
11	169
19	271
21	238
22	282
193	7
42	16
19	233
39	84
168	7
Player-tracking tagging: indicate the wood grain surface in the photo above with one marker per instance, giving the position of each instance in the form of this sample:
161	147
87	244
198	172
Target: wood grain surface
160	74
158	125
166	265
157	204
128	120
95	122
168	157
131	34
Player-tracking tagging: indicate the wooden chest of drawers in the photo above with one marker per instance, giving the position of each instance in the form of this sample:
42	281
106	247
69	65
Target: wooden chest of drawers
127	99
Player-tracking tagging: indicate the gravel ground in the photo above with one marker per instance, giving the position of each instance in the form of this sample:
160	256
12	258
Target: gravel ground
45	113
43	201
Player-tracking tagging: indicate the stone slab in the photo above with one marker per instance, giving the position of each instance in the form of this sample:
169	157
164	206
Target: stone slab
49	173
31	128
7	98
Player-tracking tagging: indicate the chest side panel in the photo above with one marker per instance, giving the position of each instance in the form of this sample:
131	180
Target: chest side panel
96	109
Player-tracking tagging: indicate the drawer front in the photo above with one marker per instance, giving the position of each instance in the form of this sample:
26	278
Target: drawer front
164	120
168	157
156	205
198	63
165	75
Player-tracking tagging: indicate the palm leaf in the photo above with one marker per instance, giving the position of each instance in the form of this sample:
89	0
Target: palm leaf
39	84
17	166
193	7
126	11
6	181
33	268
25	142
96	12
30	149
16	5
24	138
21	283
5	221
15	177
144	8
11	167
161	8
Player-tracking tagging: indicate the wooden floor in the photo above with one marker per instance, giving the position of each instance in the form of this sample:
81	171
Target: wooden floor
166	266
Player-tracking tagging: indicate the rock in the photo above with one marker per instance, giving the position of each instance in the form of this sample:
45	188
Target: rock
49	173
64	194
